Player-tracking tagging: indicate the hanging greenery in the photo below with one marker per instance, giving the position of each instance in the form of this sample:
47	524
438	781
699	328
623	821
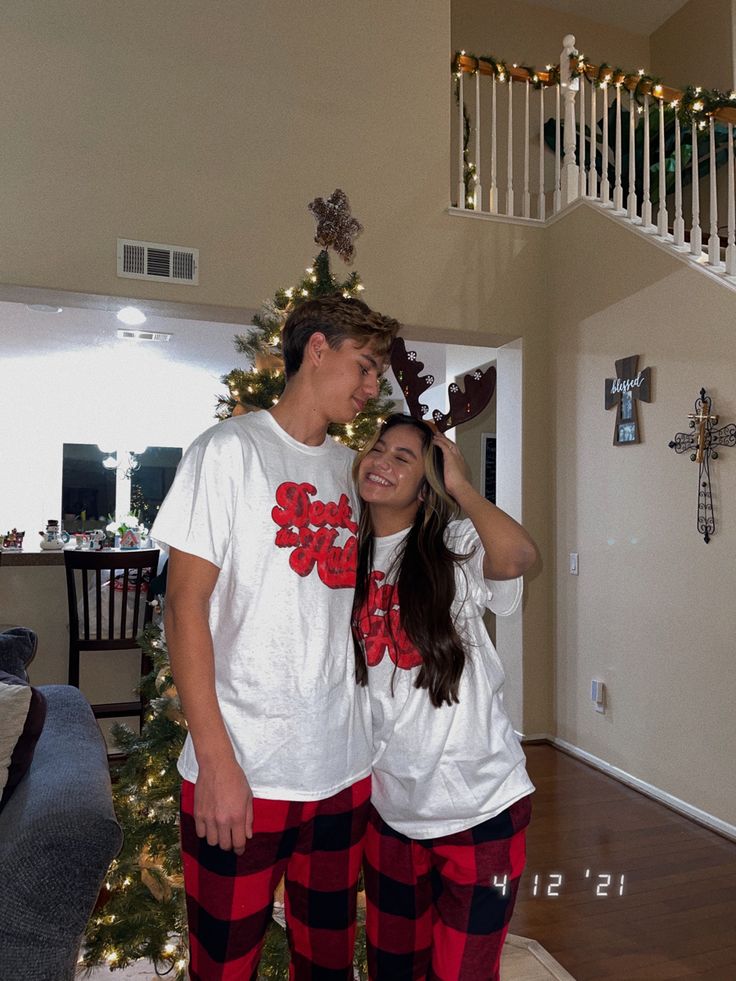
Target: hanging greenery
699	149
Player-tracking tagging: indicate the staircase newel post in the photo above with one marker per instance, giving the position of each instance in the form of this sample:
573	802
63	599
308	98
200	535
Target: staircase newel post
570	87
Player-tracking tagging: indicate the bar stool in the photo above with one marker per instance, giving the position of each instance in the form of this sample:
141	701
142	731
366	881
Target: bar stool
107	623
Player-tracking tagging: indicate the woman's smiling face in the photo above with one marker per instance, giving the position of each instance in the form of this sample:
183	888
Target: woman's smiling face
391	475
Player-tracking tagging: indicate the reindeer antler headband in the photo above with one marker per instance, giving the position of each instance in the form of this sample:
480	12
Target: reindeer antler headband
464	405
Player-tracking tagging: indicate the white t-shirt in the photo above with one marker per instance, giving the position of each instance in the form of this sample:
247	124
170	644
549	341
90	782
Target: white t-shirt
437	771
279	520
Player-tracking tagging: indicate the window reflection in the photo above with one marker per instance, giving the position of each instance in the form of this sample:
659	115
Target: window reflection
90	492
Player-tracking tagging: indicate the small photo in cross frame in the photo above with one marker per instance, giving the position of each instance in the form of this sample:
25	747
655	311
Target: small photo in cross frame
627	432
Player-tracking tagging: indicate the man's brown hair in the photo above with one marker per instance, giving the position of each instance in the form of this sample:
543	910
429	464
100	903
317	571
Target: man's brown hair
339	318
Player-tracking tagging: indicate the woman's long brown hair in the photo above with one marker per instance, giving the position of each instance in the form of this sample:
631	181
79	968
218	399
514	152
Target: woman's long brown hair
426	576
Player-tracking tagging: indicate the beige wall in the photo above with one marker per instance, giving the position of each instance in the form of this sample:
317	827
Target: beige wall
651	612
532	35
214	126
695	46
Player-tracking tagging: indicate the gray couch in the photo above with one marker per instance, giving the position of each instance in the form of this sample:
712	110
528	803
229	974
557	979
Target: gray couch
58	835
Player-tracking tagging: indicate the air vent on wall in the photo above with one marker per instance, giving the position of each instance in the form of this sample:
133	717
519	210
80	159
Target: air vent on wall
153	261
129	334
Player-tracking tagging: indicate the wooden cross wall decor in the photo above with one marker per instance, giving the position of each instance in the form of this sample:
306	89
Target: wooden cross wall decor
702	439
623	391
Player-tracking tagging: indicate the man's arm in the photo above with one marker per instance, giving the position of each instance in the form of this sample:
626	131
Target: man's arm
223	803
509	549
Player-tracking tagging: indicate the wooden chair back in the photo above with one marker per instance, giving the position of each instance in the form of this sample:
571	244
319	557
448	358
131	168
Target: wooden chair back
101	588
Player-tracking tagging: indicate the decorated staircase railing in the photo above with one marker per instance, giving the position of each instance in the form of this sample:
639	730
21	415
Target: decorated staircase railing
530	142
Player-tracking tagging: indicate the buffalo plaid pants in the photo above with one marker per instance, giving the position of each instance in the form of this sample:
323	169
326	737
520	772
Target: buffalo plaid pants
317	846
439	908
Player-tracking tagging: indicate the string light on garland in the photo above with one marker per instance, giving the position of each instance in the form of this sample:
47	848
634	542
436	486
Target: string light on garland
693	106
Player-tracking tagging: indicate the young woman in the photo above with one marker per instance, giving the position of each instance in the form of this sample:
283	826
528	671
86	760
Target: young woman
445	846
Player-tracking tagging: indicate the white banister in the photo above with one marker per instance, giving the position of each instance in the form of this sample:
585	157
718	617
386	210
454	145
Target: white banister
714	242
696	236
577	172
570	86
631	197
618	191
478	189
493	206
510	152
541	203
461	203
662	220
731	247
678	229
605	185
646	204
557	197
526	200
593	168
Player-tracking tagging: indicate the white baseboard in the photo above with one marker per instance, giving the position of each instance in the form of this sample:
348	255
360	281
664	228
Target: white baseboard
669	800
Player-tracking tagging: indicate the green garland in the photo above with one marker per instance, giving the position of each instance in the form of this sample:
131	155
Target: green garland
696	103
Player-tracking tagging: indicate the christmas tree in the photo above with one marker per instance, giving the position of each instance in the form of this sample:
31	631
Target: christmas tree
260	386
141	912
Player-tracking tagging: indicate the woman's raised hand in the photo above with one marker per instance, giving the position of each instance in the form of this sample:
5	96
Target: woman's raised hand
456	470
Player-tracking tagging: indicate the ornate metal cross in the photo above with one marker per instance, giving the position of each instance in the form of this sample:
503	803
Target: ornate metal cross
702	439
623	391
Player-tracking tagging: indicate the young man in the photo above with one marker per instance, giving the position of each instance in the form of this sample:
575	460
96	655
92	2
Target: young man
261	522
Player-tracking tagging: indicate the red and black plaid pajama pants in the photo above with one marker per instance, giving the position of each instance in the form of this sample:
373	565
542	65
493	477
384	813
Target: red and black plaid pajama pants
317	846
432	908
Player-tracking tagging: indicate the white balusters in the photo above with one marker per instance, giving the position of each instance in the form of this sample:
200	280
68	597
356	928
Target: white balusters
696	236
581	137
662	220
731	247
461	203
605	185
557	197
576	169
631	196
646	205
714	242
570	86
526	197
679	226
478	189
593	168
493	206
510	152
618	191
541	203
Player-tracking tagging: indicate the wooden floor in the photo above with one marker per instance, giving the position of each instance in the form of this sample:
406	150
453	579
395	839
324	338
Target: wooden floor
677	915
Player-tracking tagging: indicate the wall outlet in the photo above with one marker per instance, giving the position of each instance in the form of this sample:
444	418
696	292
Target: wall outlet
573	563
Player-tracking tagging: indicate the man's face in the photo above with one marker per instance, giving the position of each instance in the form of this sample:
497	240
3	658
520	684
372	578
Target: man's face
348	377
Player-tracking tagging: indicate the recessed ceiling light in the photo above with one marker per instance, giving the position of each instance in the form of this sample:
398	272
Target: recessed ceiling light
131	316
44	307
